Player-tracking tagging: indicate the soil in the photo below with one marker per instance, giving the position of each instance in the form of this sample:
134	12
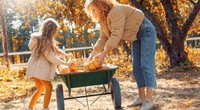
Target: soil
176	90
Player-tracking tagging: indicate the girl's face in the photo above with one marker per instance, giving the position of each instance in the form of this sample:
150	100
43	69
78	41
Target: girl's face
95	13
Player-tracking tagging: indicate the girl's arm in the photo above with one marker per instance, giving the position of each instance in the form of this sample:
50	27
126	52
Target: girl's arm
53	58
32	43
62	54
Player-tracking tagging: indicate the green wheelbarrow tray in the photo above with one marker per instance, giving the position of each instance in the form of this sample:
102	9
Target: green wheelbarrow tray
102	76
89	78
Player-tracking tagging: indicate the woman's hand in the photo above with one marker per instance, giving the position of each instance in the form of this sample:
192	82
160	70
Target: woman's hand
92	54
101	57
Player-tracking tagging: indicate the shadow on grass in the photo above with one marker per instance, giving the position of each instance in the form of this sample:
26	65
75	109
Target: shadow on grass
181	93
180	73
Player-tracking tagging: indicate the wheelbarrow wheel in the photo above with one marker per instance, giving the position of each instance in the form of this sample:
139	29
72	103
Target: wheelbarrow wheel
115	93
60	97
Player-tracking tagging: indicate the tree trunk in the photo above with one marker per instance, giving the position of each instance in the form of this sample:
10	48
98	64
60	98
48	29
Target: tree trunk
4	31
11	50
177	54
175	50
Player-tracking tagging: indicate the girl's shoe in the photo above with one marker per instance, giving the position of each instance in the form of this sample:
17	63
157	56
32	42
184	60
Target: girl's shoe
137	102
147	105
45	109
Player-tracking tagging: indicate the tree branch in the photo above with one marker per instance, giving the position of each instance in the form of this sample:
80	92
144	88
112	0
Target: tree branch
192	2
178	12
191	18
170	17
161	35
141	2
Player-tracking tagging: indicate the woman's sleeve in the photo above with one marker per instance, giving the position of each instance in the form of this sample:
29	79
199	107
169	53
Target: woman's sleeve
52	57
117	28
99	46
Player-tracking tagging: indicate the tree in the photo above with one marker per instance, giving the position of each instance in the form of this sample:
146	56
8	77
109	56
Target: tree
4	32
172	20
74	23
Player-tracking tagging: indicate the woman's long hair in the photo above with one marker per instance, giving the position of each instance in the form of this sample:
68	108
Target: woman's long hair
45	36
104	6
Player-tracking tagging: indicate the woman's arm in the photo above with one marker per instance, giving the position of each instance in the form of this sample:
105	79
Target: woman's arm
99	46
117	28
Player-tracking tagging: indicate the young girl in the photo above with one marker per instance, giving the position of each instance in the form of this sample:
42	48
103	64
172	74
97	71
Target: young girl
120	23
44	61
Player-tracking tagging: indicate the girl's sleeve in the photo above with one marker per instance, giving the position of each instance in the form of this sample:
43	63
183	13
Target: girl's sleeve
32	43
60	53
52	57
99	46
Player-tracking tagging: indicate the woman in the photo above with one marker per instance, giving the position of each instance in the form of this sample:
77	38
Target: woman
120	23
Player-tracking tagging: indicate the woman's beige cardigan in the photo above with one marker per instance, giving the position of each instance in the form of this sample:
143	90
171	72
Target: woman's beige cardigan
122	24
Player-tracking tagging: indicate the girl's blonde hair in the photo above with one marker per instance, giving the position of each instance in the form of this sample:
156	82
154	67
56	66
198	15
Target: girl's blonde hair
104	6
47	31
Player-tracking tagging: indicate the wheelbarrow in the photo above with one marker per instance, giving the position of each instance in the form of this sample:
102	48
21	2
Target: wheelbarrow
103	76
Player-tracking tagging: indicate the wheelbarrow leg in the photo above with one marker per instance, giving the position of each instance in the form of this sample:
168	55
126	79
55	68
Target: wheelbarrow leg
60	97
105	88
69	86
87	98
115	93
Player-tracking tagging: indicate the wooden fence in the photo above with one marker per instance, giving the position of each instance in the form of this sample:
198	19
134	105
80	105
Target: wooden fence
194	42
84	51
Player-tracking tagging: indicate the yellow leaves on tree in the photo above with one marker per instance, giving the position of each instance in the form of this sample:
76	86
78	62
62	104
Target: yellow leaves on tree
193	55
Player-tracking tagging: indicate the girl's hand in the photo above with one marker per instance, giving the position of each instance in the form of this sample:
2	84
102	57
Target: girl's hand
63	58
92	54
70	55
69	63
101	57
